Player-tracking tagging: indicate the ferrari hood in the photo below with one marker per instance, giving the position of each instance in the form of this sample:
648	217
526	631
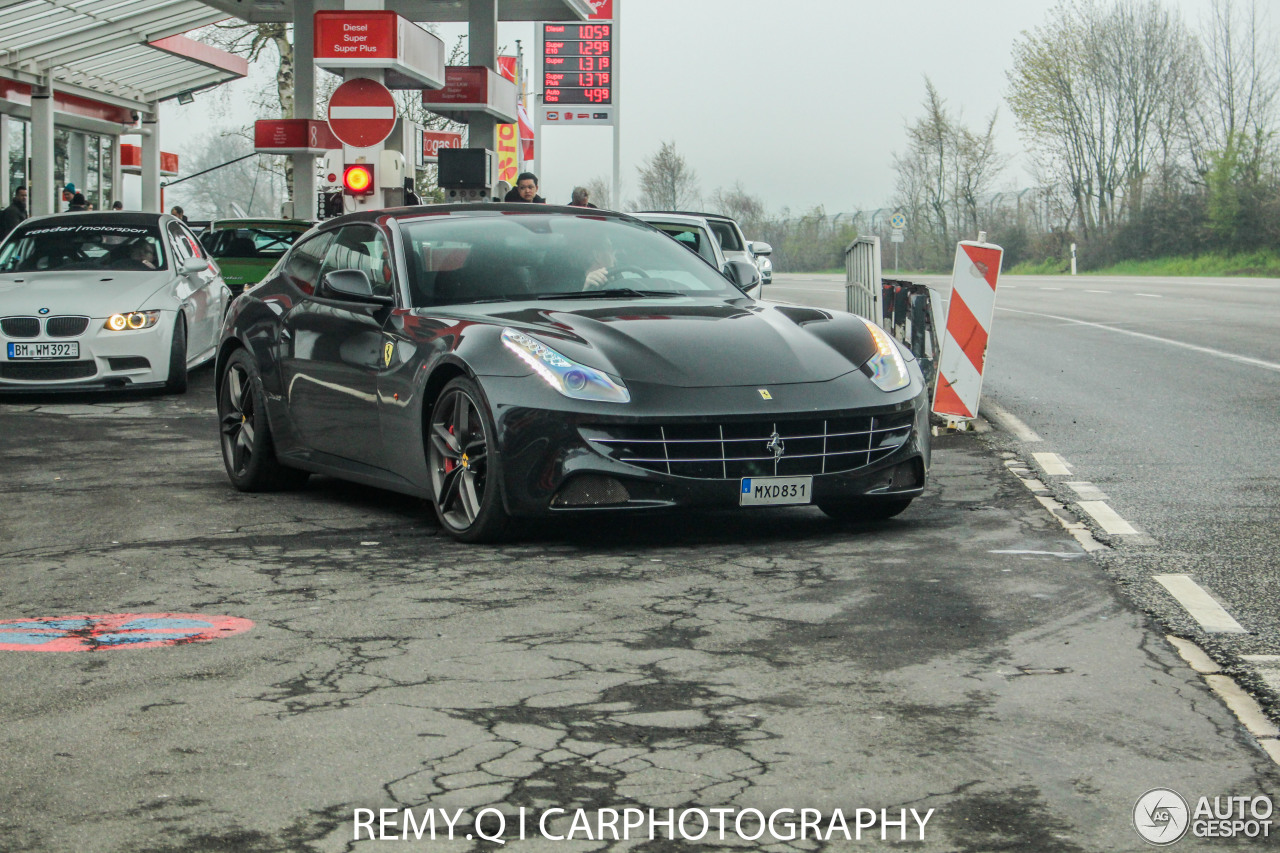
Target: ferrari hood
694	344
92	294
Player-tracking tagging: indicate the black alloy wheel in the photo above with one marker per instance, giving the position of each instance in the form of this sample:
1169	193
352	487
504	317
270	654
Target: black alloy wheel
247	449
861	509
464	465
176	381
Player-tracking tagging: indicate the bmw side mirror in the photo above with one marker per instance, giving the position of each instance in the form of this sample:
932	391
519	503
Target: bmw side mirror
744	274
191	266
759	247
351	284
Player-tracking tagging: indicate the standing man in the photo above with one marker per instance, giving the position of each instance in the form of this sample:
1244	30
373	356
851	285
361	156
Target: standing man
14	213
526	189
581	198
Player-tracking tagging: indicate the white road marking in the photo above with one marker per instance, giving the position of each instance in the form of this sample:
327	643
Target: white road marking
1199	604
1053	464
1011	422
1051	288
1263	660
1076	528
1097	291
1242	359
1065	554
1087	491
1151	295
1107	518
1244	706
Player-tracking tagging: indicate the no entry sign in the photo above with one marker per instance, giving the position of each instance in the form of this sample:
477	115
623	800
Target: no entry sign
362	113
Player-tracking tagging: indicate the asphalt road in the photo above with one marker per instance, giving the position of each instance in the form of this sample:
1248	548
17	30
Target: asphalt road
968	657
1162	394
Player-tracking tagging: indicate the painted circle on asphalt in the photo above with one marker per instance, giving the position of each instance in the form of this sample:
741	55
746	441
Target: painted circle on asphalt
111	631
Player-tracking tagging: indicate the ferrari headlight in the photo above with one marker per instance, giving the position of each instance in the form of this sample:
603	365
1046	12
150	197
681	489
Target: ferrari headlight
132	321
887	368
565	375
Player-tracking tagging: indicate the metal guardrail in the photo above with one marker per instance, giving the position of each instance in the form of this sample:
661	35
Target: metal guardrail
908	314
905	309
862	277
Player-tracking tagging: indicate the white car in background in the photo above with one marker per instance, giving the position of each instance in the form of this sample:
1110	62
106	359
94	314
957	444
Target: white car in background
697	235
106	301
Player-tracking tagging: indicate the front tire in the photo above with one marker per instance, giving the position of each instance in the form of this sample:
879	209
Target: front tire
248	452
465	466
860	510
176	381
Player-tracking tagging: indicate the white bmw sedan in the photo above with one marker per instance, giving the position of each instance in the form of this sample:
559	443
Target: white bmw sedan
106	301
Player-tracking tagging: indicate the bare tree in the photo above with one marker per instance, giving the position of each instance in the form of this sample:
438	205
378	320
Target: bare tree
1240	80
737	203
1096	91
600	189
249	187
945	170
667	182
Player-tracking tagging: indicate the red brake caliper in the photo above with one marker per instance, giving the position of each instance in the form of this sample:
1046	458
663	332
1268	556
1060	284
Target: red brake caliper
449	463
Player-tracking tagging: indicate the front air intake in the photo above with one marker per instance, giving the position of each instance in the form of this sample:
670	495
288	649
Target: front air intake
591	490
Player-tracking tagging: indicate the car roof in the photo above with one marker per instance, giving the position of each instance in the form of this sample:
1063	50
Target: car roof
475	209
102	217
719	216
673	218
247	222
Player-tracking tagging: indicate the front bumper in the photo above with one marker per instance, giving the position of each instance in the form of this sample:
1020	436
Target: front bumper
107	361
552	465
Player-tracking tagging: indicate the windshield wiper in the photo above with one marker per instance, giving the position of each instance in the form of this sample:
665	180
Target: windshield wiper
610	293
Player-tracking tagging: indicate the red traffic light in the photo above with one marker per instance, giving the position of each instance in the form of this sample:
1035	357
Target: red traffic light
358	179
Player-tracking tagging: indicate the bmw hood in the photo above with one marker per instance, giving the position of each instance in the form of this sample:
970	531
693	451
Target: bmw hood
92	294
692	344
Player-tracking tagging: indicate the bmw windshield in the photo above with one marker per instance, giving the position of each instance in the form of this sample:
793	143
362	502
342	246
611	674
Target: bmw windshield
519	256
92	247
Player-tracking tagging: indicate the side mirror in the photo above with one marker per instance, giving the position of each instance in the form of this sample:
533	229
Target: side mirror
759	247
351	284
744	274
191	266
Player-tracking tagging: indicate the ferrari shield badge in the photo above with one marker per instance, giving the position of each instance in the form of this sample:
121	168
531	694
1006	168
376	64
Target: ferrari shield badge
764	394
388	351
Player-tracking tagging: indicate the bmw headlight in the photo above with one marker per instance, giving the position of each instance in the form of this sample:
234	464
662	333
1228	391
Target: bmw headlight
132	321
887	368
565	375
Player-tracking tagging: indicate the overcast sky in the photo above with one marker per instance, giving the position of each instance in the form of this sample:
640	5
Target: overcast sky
804	102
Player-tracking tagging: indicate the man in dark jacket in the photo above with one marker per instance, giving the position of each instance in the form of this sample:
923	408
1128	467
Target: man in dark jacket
14	213
526	189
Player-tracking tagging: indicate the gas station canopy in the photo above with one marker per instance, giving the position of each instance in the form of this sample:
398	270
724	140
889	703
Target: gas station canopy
441	11
115	51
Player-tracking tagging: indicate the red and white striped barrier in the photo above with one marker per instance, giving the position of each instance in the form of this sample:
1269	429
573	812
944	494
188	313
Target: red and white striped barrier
969	315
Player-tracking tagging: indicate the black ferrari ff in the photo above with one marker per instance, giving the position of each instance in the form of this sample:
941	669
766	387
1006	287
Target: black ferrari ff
508	361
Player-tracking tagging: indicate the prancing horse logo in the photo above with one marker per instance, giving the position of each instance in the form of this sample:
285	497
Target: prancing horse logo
776	446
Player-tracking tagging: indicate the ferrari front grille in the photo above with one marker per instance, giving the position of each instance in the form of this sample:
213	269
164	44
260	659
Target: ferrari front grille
732	450
20	327
66	327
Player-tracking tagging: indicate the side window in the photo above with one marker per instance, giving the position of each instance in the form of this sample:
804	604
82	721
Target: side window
181	246
189	238
362	247
303	265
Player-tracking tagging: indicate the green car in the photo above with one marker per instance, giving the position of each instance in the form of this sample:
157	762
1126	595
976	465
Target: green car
247	249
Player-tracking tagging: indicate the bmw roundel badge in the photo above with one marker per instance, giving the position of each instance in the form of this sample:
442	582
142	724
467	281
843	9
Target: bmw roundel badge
44	310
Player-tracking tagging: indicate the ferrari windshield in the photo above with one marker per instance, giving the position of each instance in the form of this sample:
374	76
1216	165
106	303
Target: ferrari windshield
515	256
97	247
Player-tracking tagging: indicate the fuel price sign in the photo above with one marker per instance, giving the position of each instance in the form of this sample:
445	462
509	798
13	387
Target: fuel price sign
577	64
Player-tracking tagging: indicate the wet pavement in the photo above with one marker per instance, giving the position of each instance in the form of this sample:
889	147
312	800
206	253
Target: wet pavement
968	657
